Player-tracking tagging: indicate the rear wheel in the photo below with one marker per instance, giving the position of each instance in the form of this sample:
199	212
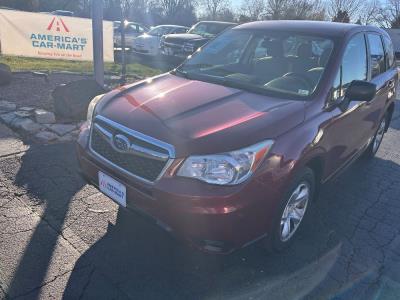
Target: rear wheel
293	210
377	139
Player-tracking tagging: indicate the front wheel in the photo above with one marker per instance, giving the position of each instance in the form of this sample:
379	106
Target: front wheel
293	210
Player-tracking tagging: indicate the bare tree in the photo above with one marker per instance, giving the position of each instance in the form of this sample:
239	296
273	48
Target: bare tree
389	14
370	12
276	8
253	9
214	7
295	9
305	10
180	12
349	7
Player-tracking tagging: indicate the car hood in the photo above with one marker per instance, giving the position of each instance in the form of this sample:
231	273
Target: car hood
198	117
147	39
183	37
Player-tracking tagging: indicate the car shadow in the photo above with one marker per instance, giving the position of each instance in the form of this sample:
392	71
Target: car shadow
46	178
142	261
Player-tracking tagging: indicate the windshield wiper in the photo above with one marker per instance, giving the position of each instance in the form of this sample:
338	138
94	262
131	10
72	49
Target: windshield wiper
180	72
194	67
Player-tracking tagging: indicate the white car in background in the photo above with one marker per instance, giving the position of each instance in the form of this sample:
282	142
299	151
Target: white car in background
149	43
132	30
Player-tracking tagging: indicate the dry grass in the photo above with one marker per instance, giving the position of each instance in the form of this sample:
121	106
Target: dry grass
39	64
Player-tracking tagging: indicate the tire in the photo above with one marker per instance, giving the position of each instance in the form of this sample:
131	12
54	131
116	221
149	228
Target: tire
376	142
279	238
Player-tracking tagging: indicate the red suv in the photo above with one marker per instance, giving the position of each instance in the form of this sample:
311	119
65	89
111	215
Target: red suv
231	147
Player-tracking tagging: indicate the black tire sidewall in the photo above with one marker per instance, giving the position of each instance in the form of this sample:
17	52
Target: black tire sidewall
369	153
307	175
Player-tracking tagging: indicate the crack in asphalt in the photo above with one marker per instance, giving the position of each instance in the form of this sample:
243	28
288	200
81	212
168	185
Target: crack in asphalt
12	154
87	283
35	289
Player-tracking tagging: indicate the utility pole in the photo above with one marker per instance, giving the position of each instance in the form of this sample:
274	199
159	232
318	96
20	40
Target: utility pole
123	46
97	29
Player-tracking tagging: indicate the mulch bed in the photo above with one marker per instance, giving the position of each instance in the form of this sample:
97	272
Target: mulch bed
27	89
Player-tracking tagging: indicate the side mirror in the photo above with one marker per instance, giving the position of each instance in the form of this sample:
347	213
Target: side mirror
360	91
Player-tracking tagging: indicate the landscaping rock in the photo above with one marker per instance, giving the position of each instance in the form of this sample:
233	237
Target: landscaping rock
5	74
17	122
61	129
26	108
8	118
71	100
6	106
44	117
46	136
23	114
28	126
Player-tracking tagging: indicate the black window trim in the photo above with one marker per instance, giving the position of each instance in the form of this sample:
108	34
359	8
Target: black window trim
369	53
388	67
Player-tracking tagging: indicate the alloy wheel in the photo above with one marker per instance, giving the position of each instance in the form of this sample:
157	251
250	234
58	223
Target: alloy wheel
294	211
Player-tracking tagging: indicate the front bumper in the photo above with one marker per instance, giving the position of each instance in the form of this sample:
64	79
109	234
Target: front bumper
146	50
213	218
173	50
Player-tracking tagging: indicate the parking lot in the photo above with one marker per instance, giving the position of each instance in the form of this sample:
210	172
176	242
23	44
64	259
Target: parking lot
61	238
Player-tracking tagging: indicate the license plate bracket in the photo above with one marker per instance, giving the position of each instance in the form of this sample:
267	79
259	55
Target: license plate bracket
112	188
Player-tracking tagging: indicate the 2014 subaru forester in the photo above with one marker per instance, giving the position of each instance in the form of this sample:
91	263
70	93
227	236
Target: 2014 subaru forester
231	146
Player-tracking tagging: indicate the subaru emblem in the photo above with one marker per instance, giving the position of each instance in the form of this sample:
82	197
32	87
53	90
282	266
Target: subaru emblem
121	143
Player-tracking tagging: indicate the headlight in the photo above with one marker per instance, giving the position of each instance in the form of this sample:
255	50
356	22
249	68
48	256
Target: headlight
226	168
161	44
92	107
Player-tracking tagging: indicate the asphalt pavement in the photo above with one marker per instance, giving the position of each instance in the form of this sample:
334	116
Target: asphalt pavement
61	238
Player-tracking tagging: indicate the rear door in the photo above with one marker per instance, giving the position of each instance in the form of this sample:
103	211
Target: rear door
383	76
391	69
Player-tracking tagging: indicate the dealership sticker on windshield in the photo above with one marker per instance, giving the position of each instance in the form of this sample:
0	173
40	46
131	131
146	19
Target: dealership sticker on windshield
303	92
112	188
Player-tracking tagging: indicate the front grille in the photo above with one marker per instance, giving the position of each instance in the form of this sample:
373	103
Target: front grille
143	167
173	46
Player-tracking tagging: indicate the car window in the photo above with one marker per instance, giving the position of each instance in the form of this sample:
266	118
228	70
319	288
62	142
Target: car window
353	67
377	54
180	30
337	91
261	50
208	30
131	28
141	29
258	62
389	52
159	31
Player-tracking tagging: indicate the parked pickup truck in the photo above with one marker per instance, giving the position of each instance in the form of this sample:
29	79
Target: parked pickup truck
232	146
183	44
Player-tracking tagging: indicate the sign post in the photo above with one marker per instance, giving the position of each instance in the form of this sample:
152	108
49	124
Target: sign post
97	26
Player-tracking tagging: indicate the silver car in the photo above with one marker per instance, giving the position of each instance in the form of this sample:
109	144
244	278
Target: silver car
132	30
149	43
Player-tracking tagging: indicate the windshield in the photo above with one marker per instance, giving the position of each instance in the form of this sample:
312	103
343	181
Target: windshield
284	64
208	30
160	30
